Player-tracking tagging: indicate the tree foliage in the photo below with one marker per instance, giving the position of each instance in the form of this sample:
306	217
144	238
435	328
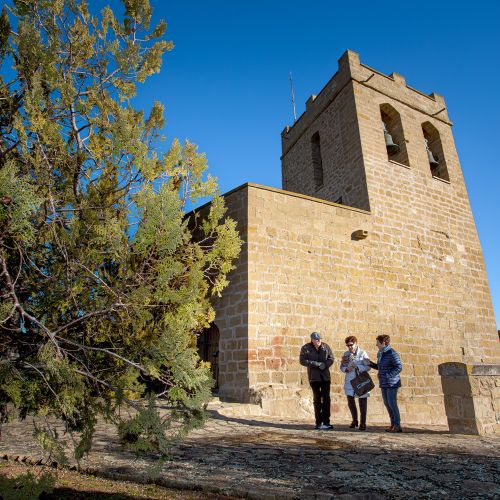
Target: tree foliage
102	285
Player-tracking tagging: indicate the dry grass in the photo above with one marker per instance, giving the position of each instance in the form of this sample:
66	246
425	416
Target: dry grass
71	485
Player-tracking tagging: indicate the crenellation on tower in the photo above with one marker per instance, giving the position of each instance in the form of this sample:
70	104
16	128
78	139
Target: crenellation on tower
315	104
350	68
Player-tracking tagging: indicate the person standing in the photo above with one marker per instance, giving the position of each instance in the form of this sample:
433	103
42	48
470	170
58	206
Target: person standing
352	360
318	358
389	367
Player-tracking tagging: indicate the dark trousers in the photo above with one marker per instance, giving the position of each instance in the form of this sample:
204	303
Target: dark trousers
363	405
390	397
321	393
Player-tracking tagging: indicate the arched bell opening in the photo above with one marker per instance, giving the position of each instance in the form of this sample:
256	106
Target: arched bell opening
208	350
392	128
434	151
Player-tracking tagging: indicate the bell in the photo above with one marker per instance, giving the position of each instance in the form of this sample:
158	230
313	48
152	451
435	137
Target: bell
392	148
432	161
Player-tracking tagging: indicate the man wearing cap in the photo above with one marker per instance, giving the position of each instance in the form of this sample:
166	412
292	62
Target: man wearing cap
318	358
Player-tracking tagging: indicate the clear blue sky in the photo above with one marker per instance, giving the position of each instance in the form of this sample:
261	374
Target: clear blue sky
225	85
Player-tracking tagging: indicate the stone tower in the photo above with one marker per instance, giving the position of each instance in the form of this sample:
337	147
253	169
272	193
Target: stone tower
420	209
372	234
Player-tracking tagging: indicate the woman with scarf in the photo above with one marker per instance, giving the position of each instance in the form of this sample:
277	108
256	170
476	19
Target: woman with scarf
354	359
389	367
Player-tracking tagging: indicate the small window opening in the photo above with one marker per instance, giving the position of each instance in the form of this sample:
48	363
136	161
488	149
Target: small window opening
317	161
434	151
392	128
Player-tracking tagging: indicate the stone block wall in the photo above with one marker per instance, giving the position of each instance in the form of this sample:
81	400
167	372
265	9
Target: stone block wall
302	271
472	397
232	311
306	271
426	222
486	395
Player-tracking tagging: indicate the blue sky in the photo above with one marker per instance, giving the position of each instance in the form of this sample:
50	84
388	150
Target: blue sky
225	85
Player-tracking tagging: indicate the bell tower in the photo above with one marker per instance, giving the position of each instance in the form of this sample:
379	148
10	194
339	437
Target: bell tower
371	142
362	116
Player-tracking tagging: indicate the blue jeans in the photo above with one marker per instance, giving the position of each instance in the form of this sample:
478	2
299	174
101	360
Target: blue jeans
390	396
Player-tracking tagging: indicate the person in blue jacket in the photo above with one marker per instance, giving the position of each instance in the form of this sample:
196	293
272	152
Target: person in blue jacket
389	367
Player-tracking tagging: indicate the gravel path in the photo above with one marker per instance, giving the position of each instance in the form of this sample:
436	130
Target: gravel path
259	457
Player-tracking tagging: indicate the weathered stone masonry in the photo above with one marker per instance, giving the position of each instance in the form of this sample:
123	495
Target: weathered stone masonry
419	275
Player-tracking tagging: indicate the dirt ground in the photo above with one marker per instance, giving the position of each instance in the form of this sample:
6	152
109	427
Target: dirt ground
70	485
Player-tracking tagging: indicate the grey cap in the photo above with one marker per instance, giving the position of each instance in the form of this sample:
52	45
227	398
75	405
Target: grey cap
315	336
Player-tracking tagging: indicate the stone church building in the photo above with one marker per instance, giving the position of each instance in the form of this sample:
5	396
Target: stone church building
372	234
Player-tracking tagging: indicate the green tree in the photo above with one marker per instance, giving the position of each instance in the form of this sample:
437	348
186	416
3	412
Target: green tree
102	285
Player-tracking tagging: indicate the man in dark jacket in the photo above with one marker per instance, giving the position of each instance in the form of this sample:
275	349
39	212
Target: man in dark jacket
318	358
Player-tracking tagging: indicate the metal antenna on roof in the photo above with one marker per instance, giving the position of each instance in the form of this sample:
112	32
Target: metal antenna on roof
293	99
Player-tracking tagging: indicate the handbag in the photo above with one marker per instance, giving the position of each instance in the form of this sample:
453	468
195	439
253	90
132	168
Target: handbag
362	383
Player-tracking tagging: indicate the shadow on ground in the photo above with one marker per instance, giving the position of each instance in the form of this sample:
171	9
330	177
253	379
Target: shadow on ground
323	465
257	458
310	426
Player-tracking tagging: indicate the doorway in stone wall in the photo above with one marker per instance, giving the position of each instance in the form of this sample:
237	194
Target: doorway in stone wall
208	349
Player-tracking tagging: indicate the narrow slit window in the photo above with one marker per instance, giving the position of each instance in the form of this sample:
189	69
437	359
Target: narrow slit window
317	161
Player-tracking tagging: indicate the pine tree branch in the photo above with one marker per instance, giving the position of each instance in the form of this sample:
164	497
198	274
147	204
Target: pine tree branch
20	308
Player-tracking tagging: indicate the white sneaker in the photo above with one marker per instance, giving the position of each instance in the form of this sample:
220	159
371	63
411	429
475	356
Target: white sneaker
326	427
